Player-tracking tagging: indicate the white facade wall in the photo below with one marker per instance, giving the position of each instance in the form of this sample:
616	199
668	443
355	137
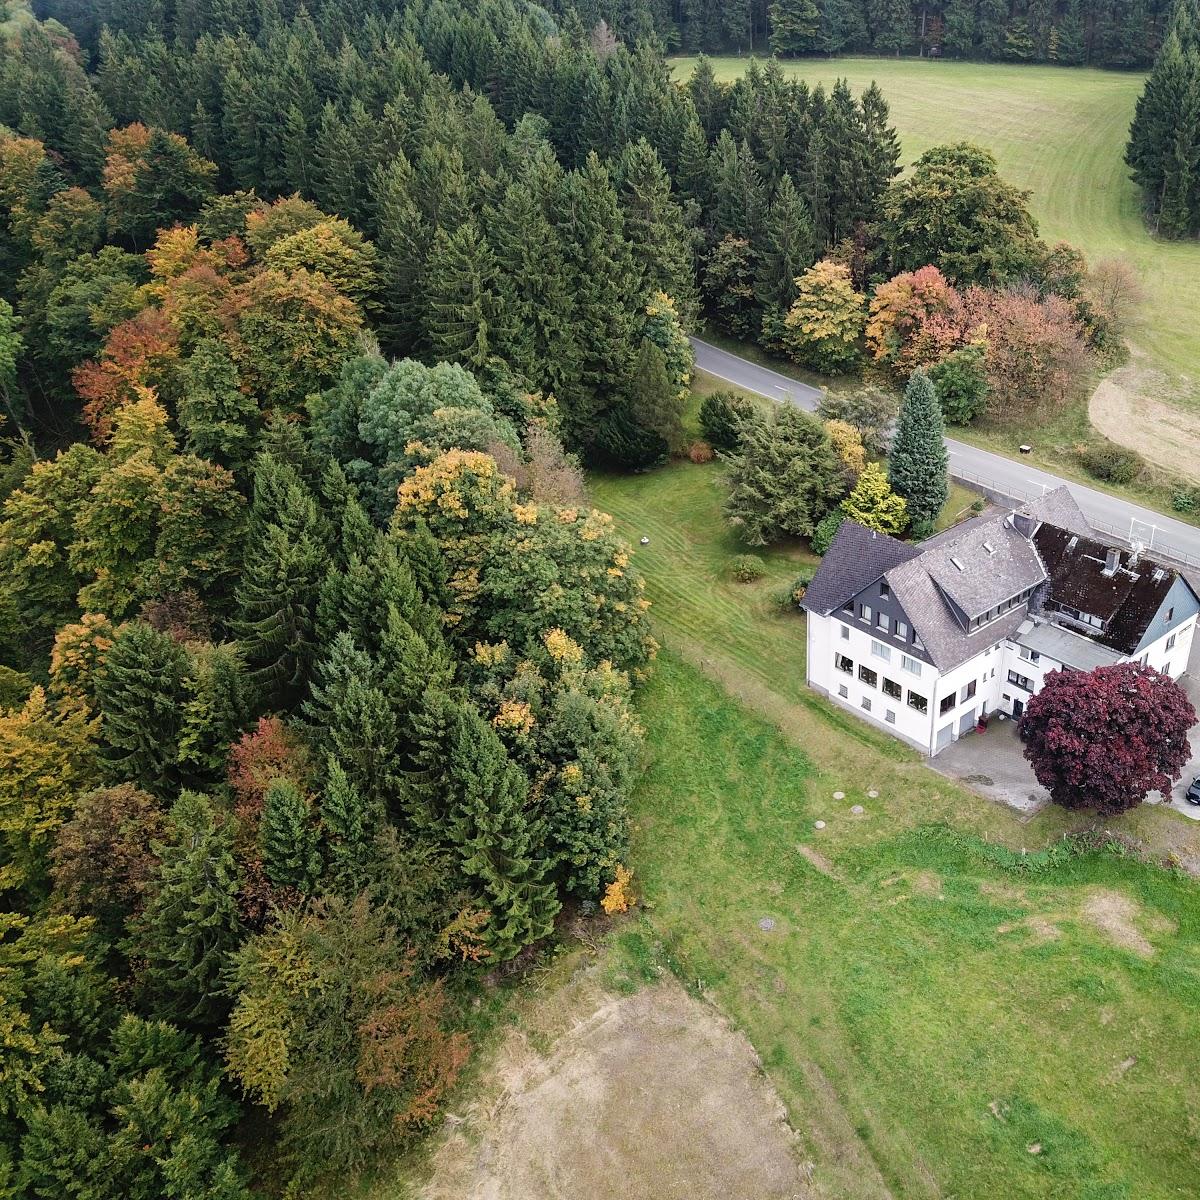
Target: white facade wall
1172	662
897	716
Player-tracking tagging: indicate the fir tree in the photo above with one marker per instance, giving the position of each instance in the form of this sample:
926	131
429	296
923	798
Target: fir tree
657	403
287	837
917	465
499	846
64	1153
461	305
793	26
191	921
141	691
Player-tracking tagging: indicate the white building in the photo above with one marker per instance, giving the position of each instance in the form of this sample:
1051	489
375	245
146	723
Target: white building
923	640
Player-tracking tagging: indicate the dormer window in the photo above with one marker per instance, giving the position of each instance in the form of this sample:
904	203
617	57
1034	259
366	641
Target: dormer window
884	589
957	564
989	548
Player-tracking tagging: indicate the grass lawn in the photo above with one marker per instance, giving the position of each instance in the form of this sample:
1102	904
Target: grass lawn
941	1016
1059	132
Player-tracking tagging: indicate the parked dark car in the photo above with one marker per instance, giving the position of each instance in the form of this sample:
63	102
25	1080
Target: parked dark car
1192	795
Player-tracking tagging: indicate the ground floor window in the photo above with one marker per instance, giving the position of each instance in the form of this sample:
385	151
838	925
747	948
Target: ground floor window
869	677
947	703
893	689
918	702
843	663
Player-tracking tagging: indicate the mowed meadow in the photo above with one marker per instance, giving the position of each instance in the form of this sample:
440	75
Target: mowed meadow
1060	132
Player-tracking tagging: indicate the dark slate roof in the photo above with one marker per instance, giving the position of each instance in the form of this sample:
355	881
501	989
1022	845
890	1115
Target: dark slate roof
856	557
1126	600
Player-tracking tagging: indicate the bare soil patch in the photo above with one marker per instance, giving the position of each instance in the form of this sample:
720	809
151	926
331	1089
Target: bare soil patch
1139	408
816	859
652	1095
1041	927
1115	914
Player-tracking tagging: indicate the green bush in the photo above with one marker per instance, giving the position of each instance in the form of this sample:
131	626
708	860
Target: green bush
961	383
748	568
1112	463
920	530
1186	499
721	418
798	589
826	530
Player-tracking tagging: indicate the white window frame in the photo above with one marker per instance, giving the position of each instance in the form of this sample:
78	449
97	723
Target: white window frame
911	665
879	650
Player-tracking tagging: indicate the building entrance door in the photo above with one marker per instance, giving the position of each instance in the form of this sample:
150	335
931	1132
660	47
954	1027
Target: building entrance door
1018	708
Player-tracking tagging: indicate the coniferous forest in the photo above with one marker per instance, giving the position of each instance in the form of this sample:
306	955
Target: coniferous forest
315	663
1164	140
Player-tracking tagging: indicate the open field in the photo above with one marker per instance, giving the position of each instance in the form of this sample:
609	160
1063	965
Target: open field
1061	133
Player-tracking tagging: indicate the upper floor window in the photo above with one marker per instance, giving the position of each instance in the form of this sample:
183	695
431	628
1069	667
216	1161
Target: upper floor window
885	589
947	703
1171	642
1020	681
864	613
968	692
902	631
883	622
911	665
881	651
1170	612
1031	656
845	632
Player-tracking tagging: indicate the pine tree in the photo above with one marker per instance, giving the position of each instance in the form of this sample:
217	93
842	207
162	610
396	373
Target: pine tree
141	691
287	838
277	597
500	848
190	925
917	466
873	503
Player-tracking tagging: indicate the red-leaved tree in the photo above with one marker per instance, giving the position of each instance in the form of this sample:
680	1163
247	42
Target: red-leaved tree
1102	739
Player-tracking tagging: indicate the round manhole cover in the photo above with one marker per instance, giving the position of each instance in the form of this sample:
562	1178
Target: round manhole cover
766	924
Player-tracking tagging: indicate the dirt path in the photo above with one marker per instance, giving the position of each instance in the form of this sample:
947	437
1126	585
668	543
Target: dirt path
1139	408
651	1097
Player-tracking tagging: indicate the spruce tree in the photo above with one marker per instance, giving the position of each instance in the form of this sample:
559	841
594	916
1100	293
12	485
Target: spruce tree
793	26
656	402
461	304
282	571
788	250
190	924
655	224
500	847
917	465
215	713
287	837
141	692
349	824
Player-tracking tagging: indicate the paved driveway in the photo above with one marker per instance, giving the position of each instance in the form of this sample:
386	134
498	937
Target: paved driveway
993	764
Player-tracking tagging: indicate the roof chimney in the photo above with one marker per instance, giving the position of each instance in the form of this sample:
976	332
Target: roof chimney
1024	523
1112	560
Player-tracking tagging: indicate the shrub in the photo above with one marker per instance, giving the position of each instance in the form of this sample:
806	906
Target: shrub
1186	499
922	529
721	417
748	568
799	588
701	452
1112	463
960	380
826	530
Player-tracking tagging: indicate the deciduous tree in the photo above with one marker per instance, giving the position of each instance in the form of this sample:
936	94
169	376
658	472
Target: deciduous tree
824	327
1103	739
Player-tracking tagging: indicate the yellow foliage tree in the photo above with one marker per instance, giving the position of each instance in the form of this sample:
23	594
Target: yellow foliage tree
874	504
848	443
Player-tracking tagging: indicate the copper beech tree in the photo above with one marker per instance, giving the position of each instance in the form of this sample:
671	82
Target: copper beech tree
1103	739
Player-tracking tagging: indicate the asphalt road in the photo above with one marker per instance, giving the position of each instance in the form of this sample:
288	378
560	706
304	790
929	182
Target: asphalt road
1005	479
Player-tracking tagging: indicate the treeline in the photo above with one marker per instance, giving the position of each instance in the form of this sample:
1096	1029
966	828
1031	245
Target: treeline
1164	140
1102	33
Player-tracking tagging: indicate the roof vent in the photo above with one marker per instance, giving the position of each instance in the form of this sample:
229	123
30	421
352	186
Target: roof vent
1112	560
1159	574
989	547
1072	543
957	562
1136	547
